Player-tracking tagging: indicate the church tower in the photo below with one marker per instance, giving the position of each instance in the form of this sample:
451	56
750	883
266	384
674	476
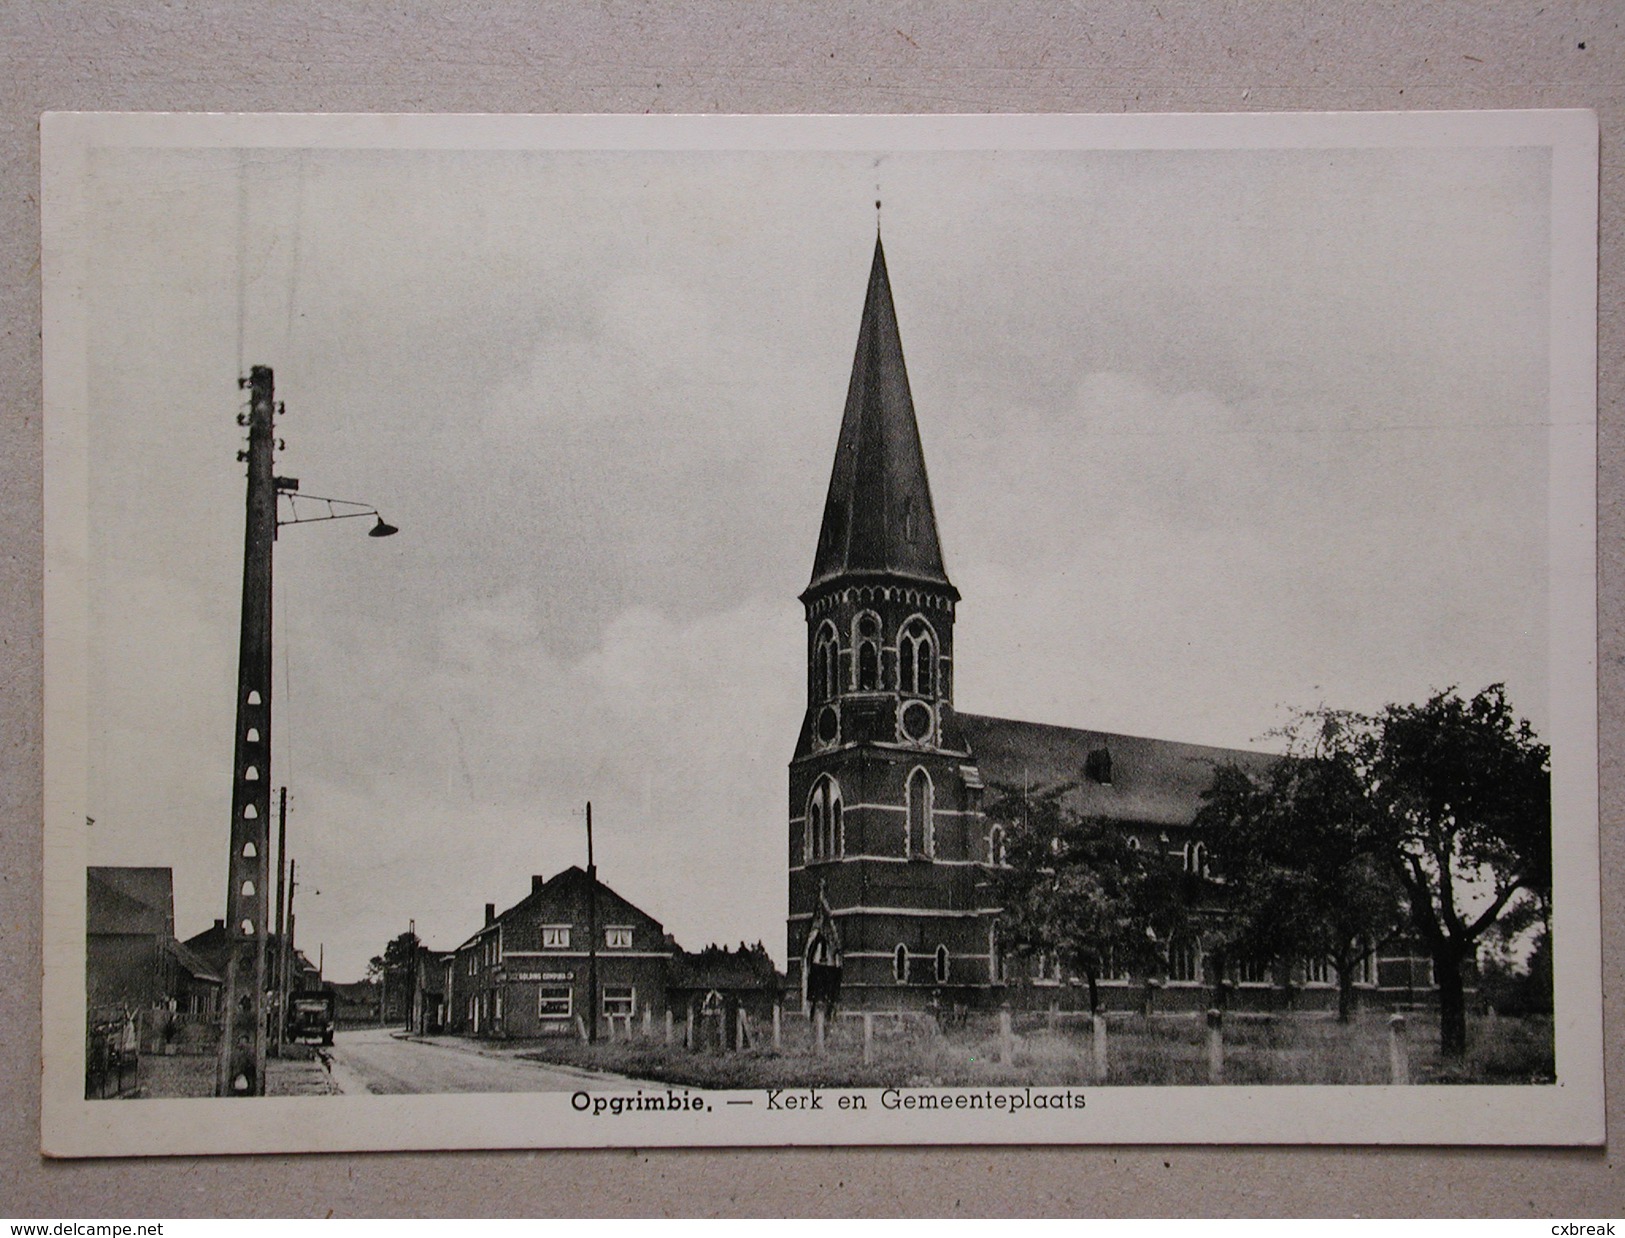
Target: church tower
886	834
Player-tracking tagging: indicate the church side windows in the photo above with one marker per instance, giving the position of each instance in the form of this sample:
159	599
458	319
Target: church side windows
916	658
866	642
1184	960
899	965
995	846
1196	859
826	665
941	970
921	835
824	841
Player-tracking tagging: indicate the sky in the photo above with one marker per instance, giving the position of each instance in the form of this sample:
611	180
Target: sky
1212	435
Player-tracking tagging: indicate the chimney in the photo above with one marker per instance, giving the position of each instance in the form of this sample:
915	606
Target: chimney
220	924
537	881
490	912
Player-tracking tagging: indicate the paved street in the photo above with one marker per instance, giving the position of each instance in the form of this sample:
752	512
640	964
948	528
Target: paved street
379	1061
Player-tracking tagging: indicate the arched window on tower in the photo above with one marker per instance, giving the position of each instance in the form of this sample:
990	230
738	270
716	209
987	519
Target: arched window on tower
921	837
916	658
826	664
824	840
866	642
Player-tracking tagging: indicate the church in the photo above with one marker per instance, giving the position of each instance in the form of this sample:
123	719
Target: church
889	846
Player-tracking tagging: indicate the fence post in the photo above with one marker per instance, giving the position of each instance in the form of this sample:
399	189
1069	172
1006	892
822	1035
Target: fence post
1054	1016
668	1026
648	1018
778	1042
868	1038
743	1036
1399	1065
581	1029
1007	1048
1099	1029
688	1028
818	1030
1215	1046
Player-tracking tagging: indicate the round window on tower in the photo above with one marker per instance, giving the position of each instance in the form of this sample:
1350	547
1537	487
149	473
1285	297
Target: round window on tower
915	721
828	725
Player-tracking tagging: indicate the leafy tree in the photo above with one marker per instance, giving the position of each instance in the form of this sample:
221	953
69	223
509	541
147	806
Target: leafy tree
1072	887
1300	854
1462	792
393	968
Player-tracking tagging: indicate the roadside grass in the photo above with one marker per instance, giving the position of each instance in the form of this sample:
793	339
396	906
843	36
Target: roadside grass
1161	1051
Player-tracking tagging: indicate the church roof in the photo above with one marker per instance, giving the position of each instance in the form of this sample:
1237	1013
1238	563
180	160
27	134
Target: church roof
878	517
1118	777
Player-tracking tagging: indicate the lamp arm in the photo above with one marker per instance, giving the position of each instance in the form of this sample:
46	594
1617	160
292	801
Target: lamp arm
331	512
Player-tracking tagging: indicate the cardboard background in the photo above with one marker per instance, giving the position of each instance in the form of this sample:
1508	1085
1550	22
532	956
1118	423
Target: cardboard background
307	56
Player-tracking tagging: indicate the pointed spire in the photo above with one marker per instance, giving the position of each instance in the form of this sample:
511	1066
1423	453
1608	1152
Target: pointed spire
878	518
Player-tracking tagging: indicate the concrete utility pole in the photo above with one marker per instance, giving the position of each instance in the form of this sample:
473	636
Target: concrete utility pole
279	980
592	937
240	1069
240	1066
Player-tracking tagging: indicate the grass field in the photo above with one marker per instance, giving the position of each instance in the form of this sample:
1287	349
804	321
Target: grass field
1163	1050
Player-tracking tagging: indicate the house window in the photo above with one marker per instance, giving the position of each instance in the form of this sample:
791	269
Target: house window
1133	843
995	846
620	1001
555	937
941	970
867	641
1317	971
916	658
1045	969
618	938
554	1002
920	834
899	965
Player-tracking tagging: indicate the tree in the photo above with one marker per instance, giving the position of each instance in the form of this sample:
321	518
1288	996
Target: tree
1296	843
1461	791
1074	888
397	961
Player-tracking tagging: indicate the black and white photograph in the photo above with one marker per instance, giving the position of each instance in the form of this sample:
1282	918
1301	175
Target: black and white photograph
819	630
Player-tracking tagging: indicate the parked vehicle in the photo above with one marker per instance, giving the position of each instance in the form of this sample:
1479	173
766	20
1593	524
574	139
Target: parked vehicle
310	1015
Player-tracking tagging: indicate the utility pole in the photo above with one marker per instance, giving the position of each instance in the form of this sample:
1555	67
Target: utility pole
592	937
280	978
240	1068
412	976
286	947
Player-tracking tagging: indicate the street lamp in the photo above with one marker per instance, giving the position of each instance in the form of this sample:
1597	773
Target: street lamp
240	1070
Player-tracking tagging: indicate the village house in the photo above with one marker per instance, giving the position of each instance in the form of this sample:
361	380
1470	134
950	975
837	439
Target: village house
525	972
132	960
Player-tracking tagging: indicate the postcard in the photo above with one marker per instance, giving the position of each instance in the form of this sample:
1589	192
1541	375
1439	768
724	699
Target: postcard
825	630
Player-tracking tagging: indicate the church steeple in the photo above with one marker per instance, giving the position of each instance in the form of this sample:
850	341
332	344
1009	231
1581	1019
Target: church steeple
878	517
